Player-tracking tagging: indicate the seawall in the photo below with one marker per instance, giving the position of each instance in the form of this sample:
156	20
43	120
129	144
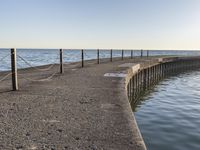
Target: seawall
142	77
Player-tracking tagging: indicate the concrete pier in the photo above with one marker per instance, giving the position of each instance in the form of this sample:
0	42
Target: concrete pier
83	108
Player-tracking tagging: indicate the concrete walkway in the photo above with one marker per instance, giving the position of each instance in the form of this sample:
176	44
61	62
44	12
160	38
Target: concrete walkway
78	110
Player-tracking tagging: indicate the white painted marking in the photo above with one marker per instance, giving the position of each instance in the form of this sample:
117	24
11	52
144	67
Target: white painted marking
51	121
119	75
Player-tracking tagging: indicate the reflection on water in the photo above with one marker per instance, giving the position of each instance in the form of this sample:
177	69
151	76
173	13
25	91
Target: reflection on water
169	117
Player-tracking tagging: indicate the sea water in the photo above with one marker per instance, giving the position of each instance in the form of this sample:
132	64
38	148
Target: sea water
169	117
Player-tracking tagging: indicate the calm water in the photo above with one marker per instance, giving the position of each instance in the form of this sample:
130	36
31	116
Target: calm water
38	57
169	117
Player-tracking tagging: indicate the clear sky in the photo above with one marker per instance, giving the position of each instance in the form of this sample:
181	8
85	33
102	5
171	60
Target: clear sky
128	24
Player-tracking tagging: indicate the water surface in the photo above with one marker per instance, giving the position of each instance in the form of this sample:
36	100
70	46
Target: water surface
169	117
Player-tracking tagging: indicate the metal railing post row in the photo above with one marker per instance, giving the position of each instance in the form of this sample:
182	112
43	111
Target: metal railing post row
61	61
14	70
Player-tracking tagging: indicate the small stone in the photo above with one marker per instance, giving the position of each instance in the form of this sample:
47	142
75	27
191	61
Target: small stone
59	130
28	134
19	147
77	138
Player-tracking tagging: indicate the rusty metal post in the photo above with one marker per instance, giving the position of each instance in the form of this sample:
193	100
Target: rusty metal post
61	61
14	70
131	54
82	57
98	61
141	52
122	54
111	55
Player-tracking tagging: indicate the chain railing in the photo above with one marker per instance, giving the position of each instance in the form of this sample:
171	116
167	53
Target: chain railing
36	68
83	55
8	74
80	56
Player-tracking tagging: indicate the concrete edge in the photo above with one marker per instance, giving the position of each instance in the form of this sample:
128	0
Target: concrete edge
138	139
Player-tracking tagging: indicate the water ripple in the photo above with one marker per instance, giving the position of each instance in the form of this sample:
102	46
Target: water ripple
169	117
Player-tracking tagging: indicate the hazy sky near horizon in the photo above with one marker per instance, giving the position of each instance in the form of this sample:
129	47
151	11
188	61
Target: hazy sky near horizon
128	24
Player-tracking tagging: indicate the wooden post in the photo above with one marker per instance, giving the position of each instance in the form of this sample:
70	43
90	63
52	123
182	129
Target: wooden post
134	85
147	53
111	55
148	74
14	69
138	83
122	54
98	61
145	79
82	57
131	54
129	89
151	75
131	86
61	61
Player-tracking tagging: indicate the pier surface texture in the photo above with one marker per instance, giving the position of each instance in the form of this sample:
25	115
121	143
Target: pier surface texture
81	109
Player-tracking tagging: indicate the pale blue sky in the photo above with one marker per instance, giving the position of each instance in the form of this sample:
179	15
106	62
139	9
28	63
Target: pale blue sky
128	24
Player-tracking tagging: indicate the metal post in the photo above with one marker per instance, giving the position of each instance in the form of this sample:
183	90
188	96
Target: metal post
61	61
98	61
14	69
122	54
141	52
82	57
131	54
111	55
